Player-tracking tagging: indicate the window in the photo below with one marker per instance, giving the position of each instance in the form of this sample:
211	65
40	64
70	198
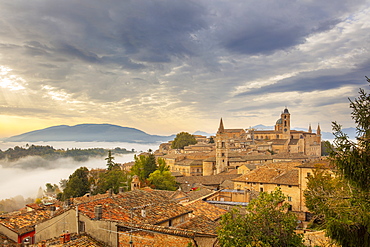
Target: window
222	154
289	198
223	144
81	226
308	174
261	189
289	186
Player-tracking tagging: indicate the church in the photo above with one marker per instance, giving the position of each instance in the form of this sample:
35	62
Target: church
239	144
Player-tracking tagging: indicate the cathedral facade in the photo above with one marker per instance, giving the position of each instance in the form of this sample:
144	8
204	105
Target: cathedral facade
232	144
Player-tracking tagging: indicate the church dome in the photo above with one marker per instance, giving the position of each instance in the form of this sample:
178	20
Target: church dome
279	121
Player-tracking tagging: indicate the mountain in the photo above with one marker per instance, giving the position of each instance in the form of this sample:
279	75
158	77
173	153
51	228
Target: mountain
89	133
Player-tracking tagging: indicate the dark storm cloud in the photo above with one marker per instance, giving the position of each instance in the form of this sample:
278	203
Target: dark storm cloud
263	27
310	81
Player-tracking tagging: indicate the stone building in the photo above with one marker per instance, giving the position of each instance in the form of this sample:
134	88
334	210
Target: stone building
241	144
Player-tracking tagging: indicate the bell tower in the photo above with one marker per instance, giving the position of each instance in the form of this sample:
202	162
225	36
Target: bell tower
285	120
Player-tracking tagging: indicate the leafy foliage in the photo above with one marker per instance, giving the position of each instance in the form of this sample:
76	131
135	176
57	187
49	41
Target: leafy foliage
342	203
144	165
326	146
48	152
162	178
110	162
266	223
183	139
111	179
77	185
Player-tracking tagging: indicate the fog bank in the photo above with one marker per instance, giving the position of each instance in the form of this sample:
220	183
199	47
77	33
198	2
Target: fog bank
26	175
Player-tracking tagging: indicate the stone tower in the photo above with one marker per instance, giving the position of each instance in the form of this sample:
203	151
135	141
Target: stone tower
222	150
285	121
135	183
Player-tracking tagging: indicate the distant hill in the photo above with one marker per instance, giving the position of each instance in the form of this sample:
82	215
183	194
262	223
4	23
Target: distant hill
89	133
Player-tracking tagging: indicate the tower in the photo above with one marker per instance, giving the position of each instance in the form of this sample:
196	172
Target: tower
222	152
285	121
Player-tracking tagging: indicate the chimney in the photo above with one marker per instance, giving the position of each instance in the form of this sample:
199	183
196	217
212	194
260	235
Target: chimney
98	212
143	212
52	210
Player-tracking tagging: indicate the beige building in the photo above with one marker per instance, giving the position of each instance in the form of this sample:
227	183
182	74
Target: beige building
240	143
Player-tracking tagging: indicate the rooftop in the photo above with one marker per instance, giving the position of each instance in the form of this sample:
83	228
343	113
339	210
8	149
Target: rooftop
23	222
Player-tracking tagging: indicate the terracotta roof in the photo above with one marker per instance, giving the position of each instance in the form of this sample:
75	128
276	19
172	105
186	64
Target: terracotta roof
279	141
76	240
159	208
119	207
289	177
251	157
111	210
194	195
206	180
208	210
23	222
289	156
270	176
260	175
233	130
183	232
201	224
322	163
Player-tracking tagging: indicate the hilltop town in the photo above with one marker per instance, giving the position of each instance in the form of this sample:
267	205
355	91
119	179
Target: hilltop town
214	175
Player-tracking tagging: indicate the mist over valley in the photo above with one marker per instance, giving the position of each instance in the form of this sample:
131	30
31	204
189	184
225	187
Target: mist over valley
26	175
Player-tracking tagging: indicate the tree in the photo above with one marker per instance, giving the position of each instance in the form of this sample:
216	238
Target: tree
77	185
267	222
343	202
162	178
111	179
183	139
326	146
144	165
110	162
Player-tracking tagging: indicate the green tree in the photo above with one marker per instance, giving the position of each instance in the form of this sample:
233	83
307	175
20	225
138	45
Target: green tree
110	162
343	202
77	185
267	222
111	179
162	178
183	139
144	165
326	146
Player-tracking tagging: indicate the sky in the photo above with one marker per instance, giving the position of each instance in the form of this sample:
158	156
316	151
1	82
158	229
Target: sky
165	66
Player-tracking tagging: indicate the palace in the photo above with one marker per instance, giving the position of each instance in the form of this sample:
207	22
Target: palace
236	146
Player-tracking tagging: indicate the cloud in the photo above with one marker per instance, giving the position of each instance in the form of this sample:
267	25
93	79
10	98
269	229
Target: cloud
188	62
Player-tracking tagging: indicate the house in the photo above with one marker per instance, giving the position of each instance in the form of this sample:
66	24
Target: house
111	218
268	177
19	226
